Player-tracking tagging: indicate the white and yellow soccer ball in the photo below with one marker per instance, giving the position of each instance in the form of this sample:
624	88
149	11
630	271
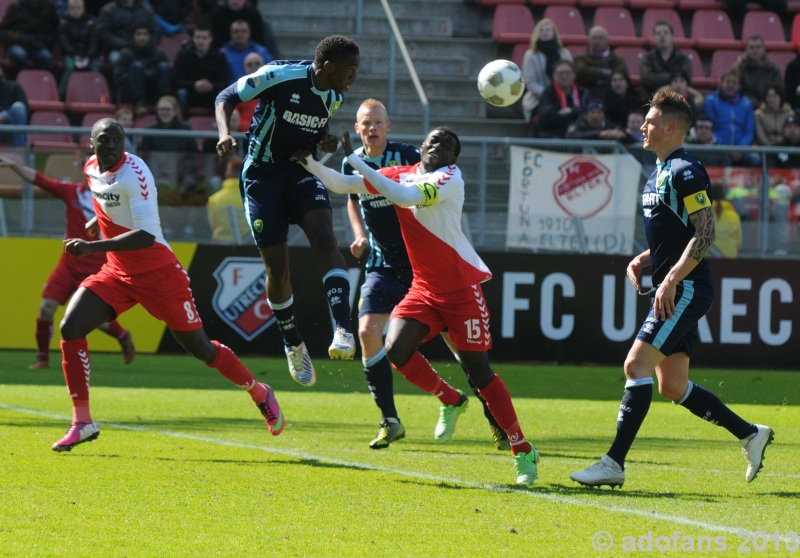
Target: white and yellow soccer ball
500	83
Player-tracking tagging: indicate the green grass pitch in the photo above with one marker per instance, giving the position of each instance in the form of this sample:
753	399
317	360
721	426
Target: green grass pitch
185	466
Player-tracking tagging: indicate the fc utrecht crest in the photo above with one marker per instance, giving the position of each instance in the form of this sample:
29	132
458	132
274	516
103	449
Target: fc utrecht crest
240	298
583	189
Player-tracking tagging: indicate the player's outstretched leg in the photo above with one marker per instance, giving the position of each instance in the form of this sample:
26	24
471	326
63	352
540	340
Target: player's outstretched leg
337	289
300	367
378	374
44	333
753	448
77	369
498	434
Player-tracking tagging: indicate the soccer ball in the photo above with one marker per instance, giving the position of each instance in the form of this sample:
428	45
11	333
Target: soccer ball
500	83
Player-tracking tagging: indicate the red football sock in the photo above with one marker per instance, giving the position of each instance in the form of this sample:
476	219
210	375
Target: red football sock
114	329
44	332
77	369
229	365
419	372
499	402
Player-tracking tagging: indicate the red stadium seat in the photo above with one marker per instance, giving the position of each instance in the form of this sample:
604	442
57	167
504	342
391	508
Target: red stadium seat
88	92
712	30
692	5
41	89
88	121
699	78
145	120
651	16
633	60
721	60
202	124
572	3
601	3
782	59
793	6
569	21
49	141
172	45
619	23
513	23
518	53
636	5
767	25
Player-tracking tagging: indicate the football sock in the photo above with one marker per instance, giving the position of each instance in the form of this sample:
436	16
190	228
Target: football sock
44	332
486	412
284	314
499	403
632	410
77	368
419	372
229	365
709	407
337	289
114	329
378	373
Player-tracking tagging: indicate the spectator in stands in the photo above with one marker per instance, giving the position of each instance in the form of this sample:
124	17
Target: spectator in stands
220	204
562	102
142	73
679	82
771	115
13	108
252	62
222	16
621	98
537	64
663	60
791	138
199	73
593	69
29	29
237	49
703	134
124	116
592	125
172	15
727	224
792	82
118	20
634	125
734	118
636	145
168	117
77	36
756	70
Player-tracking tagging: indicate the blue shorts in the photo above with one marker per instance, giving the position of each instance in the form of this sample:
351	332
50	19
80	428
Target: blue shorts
382	290
679	333
277	196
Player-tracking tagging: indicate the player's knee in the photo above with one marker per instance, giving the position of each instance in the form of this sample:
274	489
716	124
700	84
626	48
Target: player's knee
671	390
397	353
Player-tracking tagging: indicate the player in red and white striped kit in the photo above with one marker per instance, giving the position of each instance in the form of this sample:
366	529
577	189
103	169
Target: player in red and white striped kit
69	272
140	269
446	288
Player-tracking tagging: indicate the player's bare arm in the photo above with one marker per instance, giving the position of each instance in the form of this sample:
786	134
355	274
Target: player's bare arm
92	228
635	268
131	240
361	242
227	144
704	233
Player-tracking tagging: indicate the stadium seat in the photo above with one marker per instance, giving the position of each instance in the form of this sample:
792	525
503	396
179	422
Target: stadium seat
619	23
651	16
538	3
202	124
782	59
518	53
513	23
64	166
712	30
767	25
699	78
569	21
88	92
172	45
51	141
692	5
601	3
637	5
145	120
41	89
633	60
793	6
721	60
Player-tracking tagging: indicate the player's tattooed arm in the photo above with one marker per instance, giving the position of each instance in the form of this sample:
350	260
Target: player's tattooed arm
704	233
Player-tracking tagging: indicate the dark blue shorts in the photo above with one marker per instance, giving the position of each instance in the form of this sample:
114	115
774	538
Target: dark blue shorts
382	290
277	196
679	333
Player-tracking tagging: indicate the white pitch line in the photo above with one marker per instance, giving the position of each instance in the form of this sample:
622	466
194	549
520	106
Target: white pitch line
413	474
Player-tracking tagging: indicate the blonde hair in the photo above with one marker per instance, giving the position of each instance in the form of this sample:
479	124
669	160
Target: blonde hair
370	104
538	31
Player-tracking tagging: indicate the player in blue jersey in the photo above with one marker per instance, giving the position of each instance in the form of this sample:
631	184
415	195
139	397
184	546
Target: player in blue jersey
679	225
388	269
296	101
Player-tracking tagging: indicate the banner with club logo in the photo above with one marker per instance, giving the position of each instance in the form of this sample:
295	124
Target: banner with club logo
572	203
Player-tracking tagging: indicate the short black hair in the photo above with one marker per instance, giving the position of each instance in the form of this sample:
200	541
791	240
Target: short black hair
672	104
335	48
106	124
